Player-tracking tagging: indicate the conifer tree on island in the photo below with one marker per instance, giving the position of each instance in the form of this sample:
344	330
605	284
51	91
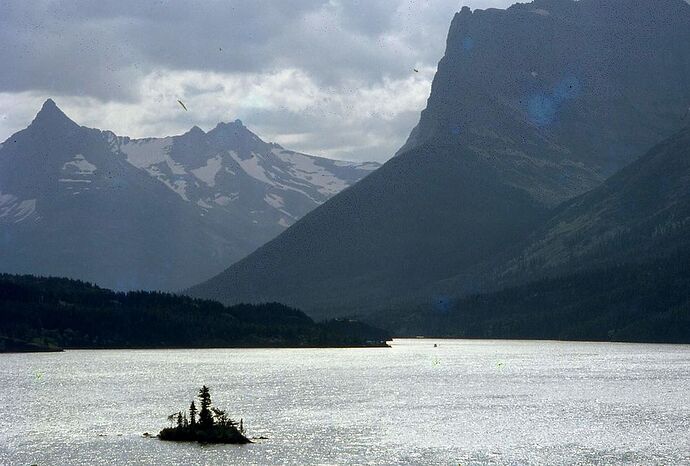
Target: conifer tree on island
205	416
192	414
213	426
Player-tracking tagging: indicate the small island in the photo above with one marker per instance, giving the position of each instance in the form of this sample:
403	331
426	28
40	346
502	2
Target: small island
212	426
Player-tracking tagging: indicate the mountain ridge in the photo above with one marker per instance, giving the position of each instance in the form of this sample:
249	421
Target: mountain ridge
189	204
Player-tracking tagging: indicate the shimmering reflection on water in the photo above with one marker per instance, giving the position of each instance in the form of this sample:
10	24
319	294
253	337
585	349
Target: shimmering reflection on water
467	402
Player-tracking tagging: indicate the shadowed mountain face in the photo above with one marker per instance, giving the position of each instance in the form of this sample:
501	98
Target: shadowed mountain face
530	106
640	213
159	213
560	94
611	264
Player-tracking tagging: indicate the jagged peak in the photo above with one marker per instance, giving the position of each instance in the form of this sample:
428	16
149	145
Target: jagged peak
50	114
49	106
195	130
237	124
235	128
49	103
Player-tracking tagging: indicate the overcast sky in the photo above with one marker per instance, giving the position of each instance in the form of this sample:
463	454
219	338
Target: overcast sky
327	77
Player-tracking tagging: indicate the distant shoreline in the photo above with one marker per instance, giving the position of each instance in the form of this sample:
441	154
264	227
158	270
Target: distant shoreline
141	348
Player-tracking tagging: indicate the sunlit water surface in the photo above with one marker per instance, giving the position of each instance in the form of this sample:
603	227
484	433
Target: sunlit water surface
464	402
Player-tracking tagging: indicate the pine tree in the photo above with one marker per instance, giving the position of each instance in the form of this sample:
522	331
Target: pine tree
192	414
179	419
205	415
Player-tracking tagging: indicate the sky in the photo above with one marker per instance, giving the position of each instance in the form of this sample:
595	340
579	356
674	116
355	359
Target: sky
334	78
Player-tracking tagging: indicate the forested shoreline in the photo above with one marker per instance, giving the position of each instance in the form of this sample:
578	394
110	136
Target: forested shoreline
645	302
51	313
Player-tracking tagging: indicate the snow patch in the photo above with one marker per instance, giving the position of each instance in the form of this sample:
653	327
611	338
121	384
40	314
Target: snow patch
208	172
180	187
304	168
252	168
175	167
540	12
146	152
283	223
369	166
274	201
222	200
79	166
13	210
6	199
24	210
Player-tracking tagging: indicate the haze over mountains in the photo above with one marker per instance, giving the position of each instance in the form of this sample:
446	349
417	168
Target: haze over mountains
157	213
531	106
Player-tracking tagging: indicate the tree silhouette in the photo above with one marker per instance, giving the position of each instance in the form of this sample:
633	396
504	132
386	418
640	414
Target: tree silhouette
192	414
212	426
205	416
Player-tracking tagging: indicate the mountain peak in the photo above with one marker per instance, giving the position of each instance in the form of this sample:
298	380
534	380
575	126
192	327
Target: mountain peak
50	115
49	103
234	129
195	130
237	124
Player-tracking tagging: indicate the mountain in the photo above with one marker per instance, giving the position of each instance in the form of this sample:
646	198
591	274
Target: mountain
150	213
611	264
530	106
639	214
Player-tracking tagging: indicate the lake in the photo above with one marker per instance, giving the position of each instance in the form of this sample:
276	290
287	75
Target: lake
463	402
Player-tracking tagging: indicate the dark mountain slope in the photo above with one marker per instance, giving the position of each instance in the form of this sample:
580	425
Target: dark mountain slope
641	213
382	236
611	264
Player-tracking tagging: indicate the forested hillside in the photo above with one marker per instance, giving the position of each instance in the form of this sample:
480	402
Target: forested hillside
57	312
647	302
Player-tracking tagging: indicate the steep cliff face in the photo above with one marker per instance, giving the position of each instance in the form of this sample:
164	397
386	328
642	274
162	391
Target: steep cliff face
530	106
560	94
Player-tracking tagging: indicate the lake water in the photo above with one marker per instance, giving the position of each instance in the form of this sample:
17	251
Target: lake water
464	402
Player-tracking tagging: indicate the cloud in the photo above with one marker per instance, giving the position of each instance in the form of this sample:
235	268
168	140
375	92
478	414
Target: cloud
331	77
